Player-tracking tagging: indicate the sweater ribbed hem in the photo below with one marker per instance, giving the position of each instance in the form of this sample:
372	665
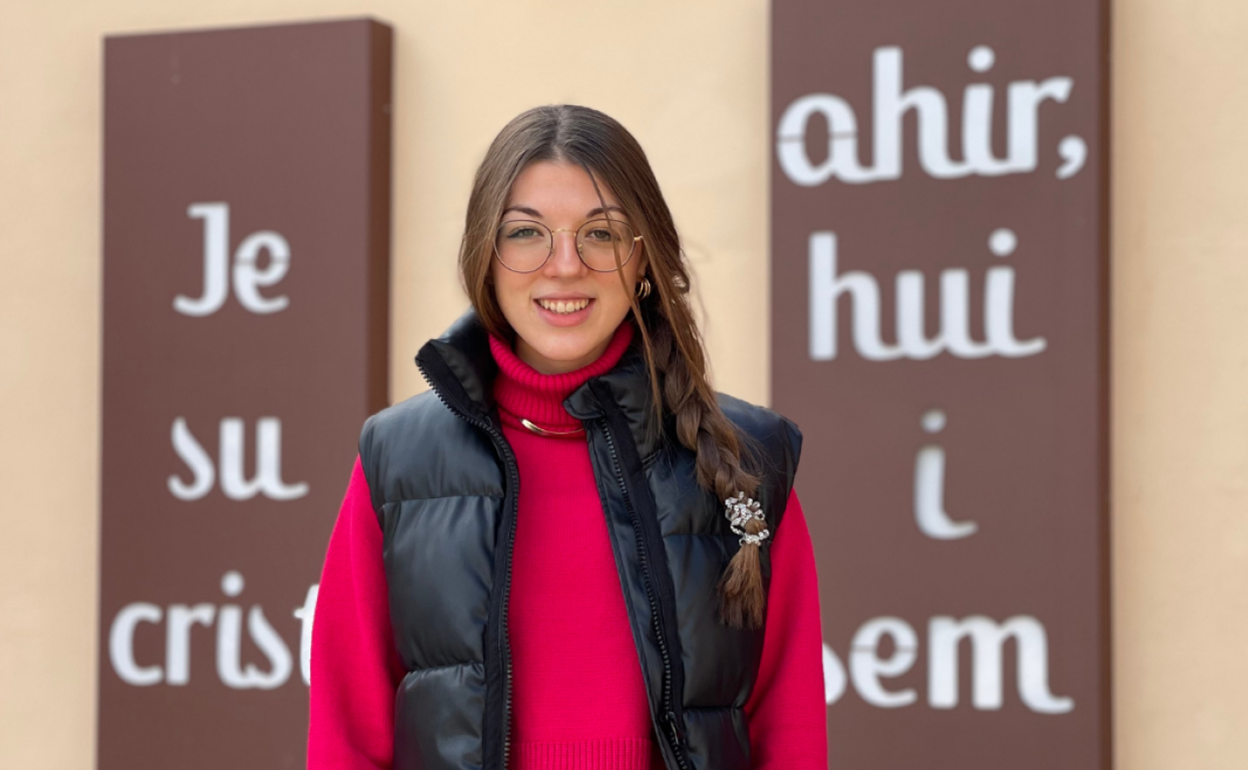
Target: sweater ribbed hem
603	754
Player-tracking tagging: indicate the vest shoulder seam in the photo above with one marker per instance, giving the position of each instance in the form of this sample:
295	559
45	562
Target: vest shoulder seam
438	497
423	669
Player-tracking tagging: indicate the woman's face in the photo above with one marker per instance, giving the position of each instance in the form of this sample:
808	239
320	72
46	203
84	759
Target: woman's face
561	196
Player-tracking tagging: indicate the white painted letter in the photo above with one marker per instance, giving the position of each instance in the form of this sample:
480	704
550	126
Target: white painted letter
825	287
929	487
911	325
230	635
842	160
216	218
891	105
121	644
987	641
193	454
929	492
247	278
267	639
230	640
306	614
977	134
1025	99
999	317
955	319
866	667
268	477
178	639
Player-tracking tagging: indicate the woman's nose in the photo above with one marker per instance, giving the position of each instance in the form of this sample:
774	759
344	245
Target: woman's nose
565	260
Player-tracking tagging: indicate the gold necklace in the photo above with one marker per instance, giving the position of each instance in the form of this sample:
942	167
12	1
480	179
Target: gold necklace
545	432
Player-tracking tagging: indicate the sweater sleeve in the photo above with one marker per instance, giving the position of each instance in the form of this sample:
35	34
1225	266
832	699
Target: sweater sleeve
786	710
355	669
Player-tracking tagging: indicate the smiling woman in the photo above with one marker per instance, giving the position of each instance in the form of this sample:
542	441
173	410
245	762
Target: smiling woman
563	554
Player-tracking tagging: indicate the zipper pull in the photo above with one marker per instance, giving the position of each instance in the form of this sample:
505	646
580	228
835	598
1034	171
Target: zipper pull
673	726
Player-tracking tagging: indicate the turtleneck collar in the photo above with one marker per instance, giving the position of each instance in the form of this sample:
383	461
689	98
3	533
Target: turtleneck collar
523	392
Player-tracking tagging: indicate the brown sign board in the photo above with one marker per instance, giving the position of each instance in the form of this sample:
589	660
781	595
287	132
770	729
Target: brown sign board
939	333
246	269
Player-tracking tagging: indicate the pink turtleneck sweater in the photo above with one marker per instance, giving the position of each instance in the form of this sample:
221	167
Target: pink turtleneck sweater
579	704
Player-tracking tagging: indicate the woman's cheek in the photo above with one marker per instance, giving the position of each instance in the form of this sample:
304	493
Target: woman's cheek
512	296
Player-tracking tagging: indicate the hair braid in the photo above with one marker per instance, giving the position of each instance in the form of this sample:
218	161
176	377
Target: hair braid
680	365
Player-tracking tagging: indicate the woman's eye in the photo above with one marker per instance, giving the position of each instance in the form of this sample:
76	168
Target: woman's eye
599	234
523	232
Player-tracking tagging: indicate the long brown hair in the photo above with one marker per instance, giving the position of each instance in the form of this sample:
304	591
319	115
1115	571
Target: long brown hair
672	343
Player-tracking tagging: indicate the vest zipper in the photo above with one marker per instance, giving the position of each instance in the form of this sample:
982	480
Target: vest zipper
669	716
667	708
513	475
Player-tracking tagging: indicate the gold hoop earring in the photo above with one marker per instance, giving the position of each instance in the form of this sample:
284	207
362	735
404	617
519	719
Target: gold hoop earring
643	288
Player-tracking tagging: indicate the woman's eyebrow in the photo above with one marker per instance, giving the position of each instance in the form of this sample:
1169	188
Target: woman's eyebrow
535	213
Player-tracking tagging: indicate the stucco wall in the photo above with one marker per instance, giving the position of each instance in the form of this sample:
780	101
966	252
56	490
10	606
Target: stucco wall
1180	383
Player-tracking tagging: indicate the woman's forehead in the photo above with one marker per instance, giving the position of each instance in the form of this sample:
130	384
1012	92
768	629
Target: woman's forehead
558	187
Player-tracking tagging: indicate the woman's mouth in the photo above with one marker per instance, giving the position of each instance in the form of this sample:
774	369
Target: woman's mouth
564	306
564	312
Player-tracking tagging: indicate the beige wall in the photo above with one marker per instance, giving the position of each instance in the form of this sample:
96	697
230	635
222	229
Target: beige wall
1180	373
690	80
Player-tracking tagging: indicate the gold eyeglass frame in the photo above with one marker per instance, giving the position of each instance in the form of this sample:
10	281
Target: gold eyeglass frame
575	239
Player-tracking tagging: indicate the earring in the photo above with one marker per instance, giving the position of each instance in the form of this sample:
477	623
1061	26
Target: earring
643	288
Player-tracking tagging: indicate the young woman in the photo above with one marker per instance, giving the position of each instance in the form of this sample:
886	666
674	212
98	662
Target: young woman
570	552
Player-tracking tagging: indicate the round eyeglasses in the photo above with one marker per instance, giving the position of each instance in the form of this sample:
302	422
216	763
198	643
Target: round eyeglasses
523	245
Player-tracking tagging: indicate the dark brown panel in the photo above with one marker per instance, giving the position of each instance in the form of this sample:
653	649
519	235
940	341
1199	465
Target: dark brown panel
246	269
939	333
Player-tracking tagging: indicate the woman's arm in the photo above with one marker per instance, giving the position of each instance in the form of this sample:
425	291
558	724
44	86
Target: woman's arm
355	669
786	710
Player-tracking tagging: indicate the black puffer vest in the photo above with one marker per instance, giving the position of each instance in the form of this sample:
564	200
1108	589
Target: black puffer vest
444	485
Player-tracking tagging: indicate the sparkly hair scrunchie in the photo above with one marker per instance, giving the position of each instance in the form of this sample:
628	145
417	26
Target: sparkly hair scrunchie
740	510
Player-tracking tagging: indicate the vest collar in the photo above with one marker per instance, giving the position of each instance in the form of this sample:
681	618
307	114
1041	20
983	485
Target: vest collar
461	368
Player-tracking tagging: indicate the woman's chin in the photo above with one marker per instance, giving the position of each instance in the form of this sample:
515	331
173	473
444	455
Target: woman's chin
562	356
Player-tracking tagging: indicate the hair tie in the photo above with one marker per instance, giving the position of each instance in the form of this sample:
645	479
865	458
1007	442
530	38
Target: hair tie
740	510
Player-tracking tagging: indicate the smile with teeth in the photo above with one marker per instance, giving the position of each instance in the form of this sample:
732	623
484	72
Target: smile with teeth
563	306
